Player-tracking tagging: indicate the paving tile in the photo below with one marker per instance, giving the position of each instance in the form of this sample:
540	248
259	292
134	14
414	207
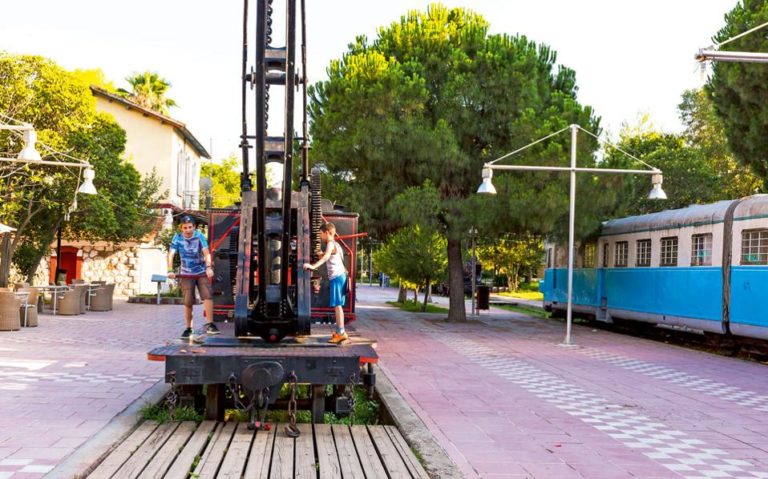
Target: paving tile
613	407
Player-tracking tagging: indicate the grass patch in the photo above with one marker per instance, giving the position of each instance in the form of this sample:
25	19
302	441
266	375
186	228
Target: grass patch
520	294
366	411
414	307
161	414
527	310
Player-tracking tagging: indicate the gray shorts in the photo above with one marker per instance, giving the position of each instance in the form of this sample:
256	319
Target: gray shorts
188	288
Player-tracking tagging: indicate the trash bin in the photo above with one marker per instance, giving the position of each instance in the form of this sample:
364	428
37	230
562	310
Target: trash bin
483	297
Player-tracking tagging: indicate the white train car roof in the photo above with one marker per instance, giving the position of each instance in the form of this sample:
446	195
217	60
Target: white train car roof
752	207
690	216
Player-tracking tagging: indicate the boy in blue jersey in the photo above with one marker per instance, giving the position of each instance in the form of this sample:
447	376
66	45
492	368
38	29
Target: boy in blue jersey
196	271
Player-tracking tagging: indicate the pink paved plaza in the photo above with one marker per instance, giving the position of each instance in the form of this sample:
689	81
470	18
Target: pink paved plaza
500	394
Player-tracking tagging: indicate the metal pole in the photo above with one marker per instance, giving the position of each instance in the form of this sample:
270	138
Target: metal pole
58	255
370	265
474	269
571	233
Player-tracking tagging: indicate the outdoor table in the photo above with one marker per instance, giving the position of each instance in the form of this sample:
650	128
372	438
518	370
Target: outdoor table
54	290
23	297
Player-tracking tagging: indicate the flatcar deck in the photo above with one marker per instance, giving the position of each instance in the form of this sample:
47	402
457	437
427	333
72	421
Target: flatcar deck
229	450
314	345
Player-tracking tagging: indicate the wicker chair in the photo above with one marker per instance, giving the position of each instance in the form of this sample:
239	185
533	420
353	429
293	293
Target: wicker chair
102	299
9	311
83	290
29	310
69	302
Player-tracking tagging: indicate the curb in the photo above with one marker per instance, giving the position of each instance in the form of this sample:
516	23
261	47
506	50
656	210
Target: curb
89	454
436	461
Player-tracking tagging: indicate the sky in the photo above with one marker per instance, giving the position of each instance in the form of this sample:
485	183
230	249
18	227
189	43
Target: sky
631	58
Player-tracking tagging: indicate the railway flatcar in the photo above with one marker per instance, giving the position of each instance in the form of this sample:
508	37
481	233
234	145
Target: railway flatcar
704	267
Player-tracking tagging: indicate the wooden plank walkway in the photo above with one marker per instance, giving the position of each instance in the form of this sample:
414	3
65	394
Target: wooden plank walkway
231	451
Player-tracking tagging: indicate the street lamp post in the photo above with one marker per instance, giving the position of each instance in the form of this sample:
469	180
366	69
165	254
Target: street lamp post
473	262
370	264
487	187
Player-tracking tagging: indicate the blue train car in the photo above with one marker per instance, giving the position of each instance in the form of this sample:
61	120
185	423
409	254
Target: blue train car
704	267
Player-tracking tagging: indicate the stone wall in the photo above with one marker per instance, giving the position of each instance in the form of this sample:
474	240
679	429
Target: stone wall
112	264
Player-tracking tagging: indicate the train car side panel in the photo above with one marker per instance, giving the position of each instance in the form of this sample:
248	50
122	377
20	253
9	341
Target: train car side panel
749	293
667	295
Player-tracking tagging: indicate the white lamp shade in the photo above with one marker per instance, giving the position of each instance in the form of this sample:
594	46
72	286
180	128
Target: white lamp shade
87	188
657	193
29	153
487	186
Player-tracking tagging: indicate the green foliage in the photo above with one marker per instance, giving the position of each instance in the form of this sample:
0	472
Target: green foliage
148	89
34	198
122	210
698	167
706	135
512	256
226	181
415	254
366	412
738	90
161	413
527	310
425	104
95	77
415	307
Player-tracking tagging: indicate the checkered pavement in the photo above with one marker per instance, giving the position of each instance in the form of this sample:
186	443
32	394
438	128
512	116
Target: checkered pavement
751	399
62	377
681	454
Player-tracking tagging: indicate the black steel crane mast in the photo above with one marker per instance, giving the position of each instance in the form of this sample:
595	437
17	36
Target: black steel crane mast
275	219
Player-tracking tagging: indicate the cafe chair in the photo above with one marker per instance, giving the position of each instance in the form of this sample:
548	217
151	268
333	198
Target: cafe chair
9	311
69	302
28	310
102	298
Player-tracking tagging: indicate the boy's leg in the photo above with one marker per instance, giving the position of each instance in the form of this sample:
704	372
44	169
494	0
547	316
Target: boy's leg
339	312
188	290
188	316
206	294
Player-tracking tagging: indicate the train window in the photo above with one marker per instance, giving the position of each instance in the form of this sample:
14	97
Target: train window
643	253
669	251
606	253
701	251
622	253
754	246
589	255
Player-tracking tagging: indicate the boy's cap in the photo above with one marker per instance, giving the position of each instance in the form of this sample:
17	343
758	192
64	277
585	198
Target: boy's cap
187	219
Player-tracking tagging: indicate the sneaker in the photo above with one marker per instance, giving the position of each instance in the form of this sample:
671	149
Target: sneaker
186	333
211	328
337	338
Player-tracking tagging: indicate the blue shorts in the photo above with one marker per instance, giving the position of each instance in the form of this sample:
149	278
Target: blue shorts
337	294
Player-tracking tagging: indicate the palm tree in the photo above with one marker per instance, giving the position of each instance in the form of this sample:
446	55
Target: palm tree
148	89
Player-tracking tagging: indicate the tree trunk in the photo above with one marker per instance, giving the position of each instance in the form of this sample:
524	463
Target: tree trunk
456	310
5	260
416	295
426	296
402	294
